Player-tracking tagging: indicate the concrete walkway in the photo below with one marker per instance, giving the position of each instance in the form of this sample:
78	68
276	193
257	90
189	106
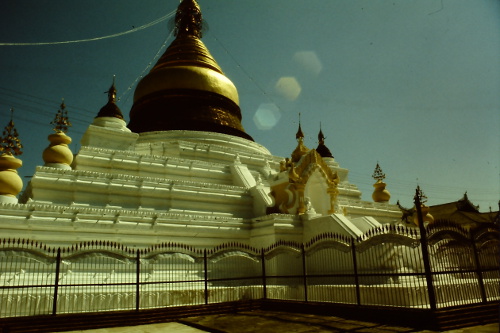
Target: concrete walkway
152	328
277	322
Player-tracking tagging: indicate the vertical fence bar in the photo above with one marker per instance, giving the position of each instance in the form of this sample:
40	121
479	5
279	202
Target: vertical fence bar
425	251
205	267
56	282
138	281
477	265
264	282
355	267
304	271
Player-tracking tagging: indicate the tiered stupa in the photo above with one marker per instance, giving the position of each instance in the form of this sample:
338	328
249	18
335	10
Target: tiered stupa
185	170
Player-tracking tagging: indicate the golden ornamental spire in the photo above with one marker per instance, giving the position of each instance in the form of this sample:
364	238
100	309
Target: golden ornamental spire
421	196
61	121
188	19
427	218
380	194
321	137
10	143
322	149
299	135
301	149
112	92
111	109
378	174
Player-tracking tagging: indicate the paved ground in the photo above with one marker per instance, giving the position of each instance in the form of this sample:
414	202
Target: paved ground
276	322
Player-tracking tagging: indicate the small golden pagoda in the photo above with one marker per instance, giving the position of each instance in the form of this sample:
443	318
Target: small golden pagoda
380	194
58	154
10	145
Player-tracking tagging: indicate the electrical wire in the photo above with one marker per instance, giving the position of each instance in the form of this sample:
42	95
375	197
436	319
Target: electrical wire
142	27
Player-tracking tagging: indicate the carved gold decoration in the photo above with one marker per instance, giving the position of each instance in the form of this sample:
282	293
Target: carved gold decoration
289	194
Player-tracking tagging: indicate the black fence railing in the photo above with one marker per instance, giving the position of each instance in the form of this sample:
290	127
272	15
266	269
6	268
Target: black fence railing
384	267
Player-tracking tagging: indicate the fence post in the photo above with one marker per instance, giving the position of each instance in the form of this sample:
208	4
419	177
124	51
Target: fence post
264	282
355	266
56	282
478	269
205	266
138	281
425	250
304	271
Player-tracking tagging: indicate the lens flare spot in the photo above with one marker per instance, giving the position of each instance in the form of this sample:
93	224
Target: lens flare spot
266	116
288	87
309	61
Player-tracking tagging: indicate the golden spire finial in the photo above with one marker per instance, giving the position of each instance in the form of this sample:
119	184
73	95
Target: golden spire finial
301	149
378	174
380	194
321	137
112	92
188	20
422	198
300	134
111	109
61	121
10	143
322	149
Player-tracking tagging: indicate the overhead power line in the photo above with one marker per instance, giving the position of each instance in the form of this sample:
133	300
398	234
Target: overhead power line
142	27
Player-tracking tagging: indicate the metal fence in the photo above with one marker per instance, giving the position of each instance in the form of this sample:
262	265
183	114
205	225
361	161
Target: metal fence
384	267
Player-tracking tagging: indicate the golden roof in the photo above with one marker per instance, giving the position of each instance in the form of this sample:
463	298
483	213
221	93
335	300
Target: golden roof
186	89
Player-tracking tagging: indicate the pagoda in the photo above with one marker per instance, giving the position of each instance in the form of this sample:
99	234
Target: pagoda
184	169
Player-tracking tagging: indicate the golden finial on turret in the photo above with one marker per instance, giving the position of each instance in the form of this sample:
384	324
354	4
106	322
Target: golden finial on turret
426	216
322	149
378	174
380	194
61	121
10	182
10	143
58	154
188	19
301	149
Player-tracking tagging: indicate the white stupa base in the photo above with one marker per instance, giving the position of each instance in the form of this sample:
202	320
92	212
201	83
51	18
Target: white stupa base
8	199
61	166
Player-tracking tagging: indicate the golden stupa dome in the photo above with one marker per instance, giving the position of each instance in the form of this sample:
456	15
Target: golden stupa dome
186	89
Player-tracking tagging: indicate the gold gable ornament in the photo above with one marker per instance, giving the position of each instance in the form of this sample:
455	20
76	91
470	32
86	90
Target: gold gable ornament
309	185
